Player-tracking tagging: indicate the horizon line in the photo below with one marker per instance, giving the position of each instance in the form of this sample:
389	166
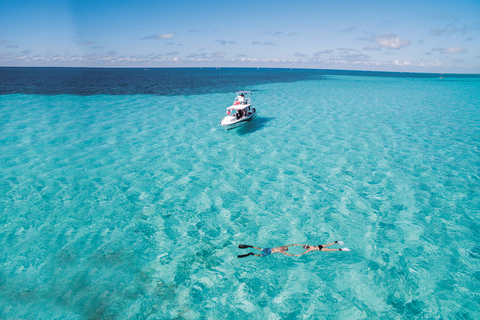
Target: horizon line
258	68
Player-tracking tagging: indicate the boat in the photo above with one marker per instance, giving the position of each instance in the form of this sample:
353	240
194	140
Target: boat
240	112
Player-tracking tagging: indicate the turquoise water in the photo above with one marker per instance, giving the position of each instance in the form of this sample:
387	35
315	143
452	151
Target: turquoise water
132	206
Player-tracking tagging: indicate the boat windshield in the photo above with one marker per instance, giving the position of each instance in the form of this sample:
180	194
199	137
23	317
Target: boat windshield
231	112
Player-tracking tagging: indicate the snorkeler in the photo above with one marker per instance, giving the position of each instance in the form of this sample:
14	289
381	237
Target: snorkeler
320	247
265	251
282	249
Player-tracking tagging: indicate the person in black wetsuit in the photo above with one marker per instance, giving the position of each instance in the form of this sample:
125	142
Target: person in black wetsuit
320	247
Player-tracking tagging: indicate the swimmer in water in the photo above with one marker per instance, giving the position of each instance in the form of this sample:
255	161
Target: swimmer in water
265	251
283	249
320	247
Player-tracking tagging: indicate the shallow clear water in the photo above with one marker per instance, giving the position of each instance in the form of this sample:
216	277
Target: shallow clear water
132	206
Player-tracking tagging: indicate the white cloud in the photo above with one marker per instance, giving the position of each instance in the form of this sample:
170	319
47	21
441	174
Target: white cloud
355	58
265	43
343	58
87	43
391	41
218	54
319	53
402	64
448	30
281	33
198	55
299	54
346	49
202	55
368	48
430	64
225	42
348	30
324	59
454	50
450	50
160	36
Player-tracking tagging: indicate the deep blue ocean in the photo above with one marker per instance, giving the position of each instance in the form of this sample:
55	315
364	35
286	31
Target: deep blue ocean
122	196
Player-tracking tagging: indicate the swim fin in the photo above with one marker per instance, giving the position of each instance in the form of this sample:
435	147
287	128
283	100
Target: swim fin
344	249
244	246
245	255
339	242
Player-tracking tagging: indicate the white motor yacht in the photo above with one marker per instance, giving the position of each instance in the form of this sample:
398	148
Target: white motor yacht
240	112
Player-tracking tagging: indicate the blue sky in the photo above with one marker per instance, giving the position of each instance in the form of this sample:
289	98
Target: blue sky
418	36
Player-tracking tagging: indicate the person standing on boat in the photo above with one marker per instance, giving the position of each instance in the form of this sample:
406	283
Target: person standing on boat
283	249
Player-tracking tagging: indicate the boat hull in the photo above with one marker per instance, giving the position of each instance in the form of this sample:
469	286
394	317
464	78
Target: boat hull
239	122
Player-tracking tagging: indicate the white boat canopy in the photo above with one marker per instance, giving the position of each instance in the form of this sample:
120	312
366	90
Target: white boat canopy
237	107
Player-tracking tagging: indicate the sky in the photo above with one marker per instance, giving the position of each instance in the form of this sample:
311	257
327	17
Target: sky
408	36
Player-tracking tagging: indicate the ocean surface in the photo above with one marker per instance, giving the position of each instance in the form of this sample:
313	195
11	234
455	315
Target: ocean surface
122	197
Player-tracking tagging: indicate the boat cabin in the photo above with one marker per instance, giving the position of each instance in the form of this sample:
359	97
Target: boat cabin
241	98
238	111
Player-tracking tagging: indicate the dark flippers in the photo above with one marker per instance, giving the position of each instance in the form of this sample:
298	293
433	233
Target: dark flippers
244	246
245	255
